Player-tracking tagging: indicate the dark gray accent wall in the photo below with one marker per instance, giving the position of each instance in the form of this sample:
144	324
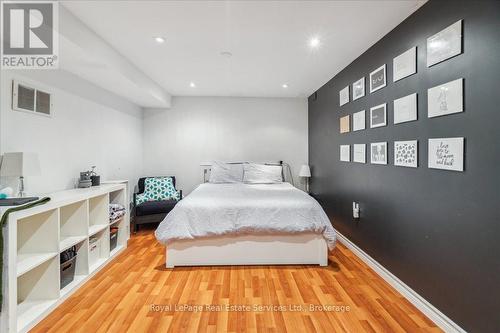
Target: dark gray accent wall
438	231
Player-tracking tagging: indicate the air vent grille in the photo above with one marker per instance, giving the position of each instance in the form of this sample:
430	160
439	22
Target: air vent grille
26	97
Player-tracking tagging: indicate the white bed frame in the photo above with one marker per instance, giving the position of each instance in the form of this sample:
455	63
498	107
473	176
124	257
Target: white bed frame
293	249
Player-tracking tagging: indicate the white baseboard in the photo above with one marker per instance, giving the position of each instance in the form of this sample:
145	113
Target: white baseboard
440	319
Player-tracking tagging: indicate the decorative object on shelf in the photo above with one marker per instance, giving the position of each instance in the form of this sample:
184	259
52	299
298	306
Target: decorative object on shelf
404	64
446	154
359	121
85	180
3	220
405	109
6	192
344	124
20	164
378	79
445	99
344	96
345	153
305	172
94	177
378	116
359	153
445	44
358	89
406	153
378	153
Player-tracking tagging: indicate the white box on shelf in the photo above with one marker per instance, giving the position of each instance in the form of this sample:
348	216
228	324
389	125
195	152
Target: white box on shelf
94	249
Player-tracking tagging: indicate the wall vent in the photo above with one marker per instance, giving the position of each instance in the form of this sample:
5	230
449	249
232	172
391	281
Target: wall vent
26	97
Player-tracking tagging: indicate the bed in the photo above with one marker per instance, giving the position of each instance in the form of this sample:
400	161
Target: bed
246	224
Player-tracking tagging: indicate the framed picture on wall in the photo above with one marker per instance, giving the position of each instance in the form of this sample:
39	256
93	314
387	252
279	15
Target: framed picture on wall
378	153
344	96
445	99
378	116
377	79
359	153
446	154
405	109
445	44
404	64
345	153
359	121
344	124
358	89
406	153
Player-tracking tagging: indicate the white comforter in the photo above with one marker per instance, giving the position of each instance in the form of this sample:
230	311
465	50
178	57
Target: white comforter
236	209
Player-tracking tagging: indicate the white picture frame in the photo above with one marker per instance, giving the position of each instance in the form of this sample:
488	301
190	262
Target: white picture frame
446	154
378	153
445	99
345	153
344	96
378	79
404	64
359	153
359	121
405	109
406	153
378	116
445	44
358	89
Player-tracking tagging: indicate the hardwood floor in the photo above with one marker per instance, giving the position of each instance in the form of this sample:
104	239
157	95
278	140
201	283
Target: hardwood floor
133	294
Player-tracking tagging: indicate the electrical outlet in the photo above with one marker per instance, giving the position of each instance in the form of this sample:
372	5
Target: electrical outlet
355	210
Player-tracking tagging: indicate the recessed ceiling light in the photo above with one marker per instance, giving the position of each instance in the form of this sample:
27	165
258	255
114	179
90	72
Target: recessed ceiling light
314	42
284	85
159	40
226	54
192	85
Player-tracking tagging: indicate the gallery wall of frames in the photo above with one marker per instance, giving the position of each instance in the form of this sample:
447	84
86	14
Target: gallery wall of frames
410	131
442	100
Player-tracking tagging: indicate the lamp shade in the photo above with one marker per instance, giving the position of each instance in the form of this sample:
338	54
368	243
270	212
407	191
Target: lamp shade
305	171
20	165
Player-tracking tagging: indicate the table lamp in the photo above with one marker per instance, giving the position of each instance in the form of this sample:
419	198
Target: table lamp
305	172
20	165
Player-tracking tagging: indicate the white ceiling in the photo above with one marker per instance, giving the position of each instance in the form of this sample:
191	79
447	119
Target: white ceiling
268	40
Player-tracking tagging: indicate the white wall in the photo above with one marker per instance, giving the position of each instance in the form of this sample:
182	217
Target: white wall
198	129
89	127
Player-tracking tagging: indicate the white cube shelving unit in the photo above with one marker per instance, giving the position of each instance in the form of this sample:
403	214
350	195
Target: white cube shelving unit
34	239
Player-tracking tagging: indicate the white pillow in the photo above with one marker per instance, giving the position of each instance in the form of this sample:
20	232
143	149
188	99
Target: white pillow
226	173
262	174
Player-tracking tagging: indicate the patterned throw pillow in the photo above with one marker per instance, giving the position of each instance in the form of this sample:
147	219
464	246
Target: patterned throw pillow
158	189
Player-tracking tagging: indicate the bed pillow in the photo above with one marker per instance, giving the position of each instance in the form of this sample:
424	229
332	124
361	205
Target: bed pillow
262	174
158	189
226	173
